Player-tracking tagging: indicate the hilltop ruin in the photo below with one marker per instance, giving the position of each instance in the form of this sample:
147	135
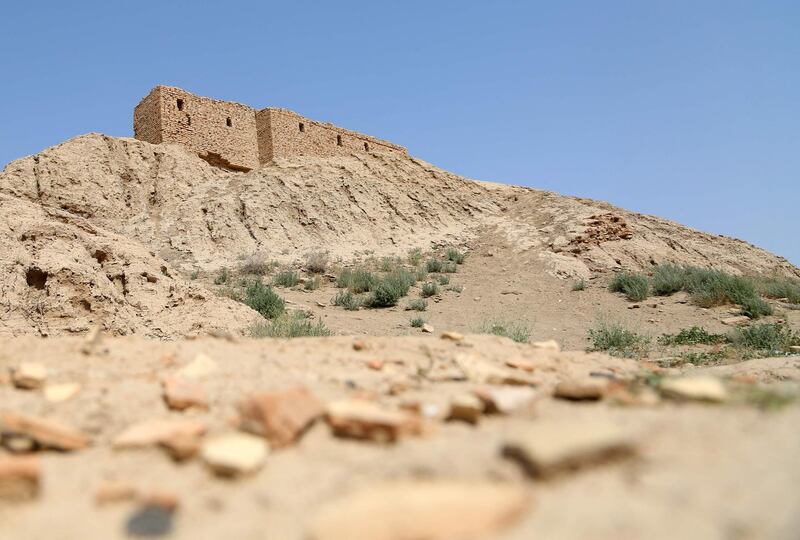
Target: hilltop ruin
238	137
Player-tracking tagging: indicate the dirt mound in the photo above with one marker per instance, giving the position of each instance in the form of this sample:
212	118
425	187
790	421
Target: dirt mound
62	274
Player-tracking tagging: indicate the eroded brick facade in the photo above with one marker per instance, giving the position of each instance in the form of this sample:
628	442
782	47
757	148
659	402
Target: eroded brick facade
238	137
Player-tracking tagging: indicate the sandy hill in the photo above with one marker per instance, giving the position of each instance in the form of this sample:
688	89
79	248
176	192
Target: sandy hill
119	225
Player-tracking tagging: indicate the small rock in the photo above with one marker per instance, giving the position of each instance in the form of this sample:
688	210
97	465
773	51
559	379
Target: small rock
421	510
581	390
694	388
375	364
359	345
150	521
20	478
549	345
466	407
56	393
154	432
280	417
547	449
452	336
202	366
506	399
181	394
365	420
736	321
634	306
46	433
181	446
168	500
235	454
112	492
521	363
29	375
427	328
484	372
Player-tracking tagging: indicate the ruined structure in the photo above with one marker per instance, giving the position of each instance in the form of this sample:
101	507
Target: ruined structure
238	137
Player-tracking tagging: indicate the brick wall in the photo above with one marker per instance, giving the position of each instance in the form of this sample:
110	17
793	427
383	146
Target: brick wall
236	136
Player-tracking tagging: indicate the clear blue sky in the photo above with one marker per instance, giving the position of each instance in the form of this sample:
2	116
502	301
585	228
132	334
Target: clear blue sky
689	110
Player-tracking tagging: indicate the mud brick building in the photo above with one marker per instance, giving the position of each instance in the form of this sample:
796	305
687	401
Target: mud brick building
238	137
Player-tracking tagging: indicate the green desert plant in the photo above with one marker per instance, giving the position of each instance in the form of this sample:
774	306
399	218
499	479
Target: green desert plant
418	304
579	285
417	322
615	339
286	278
443	279
775	337
313	283
223	277
256	264
434	265
429	289
668	279
516	331
777	287
415	256
634	286
452	254
289	326
391	288
194	275
695	335
317	262
264	300
347	300
357	280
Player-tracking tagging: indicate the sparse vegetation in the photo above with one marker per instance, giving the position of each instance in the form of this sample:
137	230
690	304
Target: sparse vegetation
317	262
765	338
418	304
286	278
429	289
454	255
615	339
289	326
194	275
780	288
515	331
634	286
695	335
313	283
223	277
667	279
347	300
388	264
703	358
443	279
420	274
415	256
579	285
417	322
769	398
264	300
256	264
434	265
391	288
456	288
449	267
357	280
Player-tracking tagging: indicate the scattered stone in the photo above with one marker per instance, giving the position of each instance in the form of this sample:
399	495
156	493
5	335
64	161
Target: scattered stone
181	446
427	328
375	364
506	399
46	433
112	492
521	363
20	478
421	510
154	432
547	449
150	520
29	375
167	500
634	306
181	394
484	372
235	454
581	390
466	407
360	419
736	321
698	388
202	366
359	345
56	393
280	417
452	336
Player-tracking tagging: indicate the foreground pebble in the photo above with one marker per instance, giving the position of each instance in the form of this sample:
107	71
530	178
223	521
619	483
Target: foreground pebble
154	432
280	417
581	390
360	419
20	478
29	376
56	393
466	407
44	432
183	393
234	454
506	399
547	449
694	388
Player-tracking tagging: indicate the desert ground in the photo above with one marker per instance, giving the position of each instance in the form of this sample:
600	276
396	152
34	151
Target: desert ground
472	360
